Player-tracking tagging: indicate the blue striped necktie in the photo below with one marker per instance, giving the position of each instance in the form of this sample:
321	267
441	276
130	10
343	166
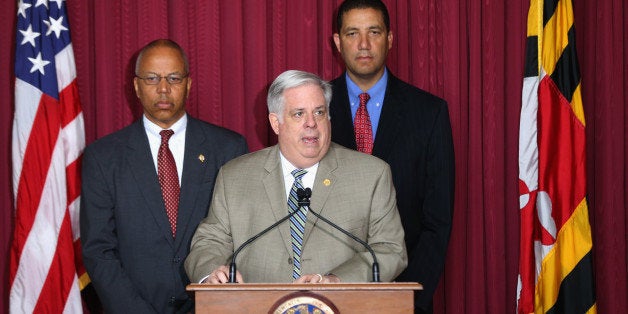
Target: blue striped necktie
297	222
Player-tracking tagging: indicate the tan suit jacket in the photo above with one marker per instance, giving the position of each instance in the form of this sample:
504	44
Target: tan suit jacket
351	189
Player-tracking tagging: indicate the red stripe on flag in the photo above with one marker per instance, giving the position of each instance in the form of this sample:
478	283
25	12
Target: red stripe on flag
78	259
73	176
527	270
70	110
561	152
61	273
35	166
70	103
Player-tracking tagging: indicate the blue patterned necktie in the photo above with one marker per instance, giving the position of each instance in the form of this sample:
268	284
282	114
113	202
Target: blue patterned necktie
297	222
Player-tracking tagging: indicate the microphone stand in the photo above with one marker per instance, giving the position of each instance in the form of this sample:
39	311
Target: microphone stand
304	200
232	266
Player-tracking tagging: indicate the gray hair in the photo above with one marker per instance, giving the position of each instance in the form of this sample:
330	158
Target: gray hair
292	79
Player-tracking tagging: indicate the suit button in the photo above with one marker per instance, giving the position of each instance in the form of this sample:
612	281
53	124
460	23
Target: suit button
176	259
171	301
290	261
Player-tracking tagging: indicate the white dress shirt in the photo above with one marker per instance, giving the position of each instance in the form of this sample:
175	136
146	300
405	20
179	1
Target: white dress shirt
288	178
176	143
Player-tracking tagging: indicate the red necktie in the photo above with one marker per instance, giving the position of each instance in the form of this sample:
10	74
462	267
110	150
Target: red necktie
362	126
168	179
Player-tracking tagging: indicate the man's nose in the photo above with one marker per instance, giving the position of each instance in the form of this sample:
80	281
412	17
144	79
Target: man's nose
364	42
310	121
163	86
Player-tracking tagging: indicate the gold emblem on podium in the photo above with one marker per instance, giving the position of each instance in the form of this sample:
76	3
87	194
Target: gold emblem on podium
303	303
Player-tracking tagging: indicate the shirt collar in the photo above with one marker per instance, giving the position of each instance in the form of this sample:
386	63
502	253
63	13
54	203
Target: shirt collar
287	167
377	89
154	129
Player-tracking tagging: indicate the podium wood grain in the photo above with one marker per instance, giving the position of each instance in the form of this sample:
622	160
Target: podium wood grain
395	297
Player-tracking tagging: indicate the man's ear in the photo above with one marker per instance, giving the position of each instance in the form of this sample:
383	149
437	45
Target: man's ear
135	82
189	85
337	41
274	122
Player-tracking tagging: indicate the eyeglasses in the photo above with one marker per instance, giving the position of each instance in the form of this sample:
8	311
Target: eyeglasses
172	79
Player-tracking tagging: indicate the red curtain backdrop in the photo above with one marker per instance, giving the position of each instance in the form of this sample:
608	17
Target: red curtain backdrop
469	52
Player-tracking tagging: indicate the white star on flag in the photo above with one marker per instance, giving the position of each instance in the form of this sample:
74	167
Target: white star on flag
29	36
38	64
22	8
55	26
40	2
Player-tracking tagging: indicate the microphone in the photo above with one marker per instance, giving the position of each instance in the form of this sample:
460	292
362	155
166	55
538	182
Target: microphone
232	266
304	200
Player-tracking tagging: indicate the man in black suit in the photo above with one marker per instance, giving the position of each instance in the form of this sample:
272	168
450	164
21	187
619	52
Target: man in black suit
403	125
136	221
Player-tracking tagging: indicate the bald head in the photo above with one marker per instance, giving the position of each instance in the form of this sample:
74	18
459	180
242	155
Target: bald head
162	43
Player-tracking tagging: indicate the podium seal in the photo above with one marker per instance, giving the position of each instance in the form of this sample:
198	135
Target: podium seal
303	303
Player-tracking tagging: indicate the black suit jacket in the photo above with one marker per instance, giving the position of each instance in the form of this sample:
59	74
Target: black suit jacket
135	264
414	137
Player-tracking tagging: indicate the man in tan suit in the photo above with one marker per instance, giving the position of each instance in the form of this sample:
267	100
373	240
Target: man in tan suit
352	189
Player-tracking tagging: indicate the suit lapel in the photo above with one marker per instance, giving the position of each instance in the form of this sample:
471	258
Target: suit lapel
193	173
390	119
276	194
323	185
143	168
340	109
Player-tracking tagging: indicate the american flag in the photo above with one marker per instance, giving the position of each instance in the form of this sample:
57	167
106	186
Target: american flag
46	273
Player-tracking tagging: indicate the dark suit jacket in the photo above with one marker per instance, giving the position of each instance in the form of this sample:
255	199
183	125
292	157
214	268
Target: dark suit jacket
414	137
135	264
351	189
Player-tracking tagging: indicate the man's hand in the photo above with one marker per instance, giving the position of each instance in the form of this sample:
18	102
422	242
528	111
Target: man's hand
317	278
221	275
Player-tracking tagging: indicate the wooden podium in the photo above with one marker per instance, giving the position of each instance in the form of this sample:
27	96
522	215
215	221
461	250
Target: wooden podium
394	297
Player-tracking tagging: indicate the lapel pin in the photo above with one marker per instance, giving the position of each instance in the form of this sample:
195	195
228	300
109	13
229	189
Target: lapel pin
201	157
326	182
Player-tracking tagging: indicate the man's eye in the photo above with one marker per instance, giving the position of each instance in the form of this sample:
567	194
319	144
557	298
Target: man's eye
152	79
298	114
174	79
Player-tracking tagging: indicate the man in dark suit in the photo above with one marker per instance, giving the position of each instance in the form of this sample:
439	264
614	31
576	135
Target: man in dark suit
403	125
144	193
254	191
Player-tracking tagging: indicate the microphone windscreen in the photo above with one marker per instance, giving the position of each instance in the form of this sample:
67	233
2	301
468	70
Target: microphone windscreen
304	193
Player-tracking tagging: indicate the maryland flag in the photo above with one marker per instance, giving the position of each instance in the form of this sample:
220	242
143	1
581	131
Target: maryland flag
555	265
